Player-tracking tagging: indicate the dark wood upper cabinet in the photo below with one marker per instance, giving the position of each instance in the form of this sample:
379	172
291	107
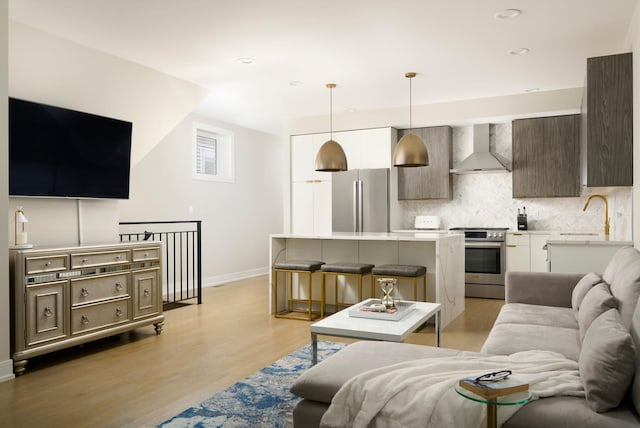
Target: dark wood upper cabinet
433	181
546	157
607	115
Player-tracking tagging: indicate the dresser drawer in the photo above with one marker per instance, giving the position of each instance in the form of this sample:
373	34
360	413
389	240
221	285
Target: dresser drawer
99	288
103	258
40	264
143	254
101	315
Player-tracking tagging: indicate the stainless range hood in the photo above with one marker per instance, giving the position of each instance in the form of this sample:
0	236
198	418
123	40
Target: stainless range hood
481	160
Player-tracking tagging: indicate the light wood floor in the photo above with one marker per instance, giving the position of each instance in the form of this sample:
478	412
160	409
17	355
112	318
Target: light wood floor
140	379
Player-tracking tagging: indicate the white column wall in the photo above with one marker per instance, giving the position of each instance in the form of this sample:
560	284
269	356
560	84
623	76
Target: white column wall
6	366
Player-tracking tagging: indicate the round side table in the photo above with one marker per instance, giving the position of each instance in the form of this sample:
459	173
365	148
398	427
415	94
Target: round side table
492	404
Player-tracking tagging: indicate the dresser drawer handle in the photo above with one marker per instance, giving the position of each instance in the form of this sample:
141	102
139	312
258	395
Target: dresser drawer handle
84	320
119	312
84	292
117	257
119	286
47	264
85	260
146	254
48	312
146	293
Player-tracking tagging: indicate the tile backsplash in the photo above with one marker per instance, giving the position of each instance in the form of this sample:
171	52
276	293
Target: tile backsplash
485	199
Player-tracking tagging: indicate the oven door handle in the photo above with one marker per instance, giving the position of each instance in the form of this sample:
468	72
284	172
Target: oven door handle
483	244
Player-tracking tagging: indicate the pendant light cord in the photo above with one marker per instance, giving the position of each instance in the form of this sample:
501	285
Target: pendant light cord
331	113
410	107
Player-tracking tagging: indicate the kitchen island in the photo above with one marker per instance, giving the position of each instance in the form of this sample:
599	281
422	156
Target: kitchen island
441	252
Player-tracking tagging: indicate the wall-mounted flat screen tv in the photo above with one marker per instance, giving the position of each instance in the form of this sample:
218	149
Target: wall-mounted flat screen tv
57	152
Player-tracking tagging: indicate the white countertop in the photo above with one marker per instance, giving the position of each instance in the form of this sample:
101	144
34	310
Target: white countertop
381	236
595	240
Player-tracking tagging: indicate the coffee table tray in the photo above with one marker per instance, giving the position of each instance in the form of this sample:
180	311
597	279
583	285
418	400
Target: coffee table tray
404	308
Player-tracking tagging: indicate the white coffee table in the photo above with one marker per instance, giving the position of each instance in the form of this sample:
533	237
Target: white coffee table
341	324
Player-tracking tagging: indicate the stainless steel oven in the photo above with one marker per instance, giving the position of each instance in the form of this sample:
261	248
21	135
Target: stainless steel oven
484	261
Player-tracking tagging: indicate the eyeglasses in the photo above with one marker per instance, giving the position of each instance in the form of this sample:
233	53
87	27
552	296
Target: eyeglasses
493	377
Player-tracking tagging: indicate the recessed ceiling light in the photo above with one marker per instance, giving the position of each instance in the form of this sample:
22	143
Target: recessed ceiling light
532	90
246	60
519	51
295	83
507	14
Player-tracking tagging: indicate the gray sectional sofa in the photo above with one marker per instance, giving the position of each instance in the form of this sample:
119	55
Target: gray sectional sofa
593	319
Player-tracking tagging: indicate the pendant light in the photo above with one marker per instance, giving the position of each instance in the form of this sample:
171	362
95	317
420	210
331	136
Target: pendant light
411	150
331	157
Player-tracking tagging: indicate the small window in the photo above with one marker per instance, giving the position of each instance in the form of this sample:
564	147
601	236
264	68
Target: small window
212	153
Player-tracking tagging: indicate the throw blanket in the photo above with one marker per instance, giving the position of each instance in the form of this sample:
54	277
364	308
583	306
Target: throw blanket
421	393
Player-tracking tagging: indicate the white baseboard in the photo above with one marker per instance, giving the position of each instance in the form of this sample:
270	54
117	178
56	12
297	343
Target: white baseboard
6	370
213	281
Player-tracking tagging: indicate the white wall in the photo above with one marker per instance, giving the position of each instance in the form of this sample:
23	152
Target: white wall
51	70
6	366
237	217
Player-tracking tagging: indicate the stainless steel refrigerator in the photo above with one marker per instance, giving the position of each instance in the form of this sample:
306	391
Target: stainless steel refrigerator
360	200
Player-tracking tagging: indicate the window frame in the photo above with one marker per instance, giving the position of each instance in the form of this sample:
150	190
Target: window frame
224	154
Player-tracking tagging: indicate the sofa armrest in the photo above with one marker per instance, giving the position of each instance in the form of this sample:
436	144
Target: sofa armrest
540	288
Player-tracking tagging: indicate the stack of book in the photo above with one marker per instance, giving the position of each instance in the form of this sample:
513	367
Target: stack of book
492	390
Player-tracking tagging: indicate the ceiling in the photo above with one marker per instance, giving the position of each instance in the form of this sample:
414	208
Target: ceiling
457	47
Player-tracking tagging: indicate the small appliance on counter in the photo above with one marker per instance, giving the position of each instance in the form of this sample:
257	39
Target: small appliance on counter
522	219
427	222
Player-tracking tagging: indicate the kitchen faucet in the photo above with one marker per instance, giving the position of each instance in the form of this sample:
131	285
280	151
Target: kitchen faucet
606	212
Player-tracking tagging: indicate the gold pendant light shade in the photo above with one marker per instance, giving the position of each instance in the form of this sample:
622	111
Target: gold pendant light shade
411	150
331	157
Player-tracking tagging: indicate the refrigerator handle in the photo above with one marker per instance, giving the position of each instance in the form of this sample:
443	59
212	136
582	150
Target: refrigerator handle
356	205
360	206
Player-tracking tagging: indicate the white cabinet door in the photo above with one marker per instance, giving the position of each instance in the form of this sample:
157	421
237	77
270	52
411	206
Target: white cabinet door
302	207
302	157
311	207
375	148
518	252
322	207
539	253
350	142
317	141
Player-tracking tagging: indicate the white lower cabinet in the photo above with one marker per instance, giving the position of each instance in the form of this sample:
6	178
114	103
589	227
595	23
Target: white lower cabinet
311	207
526	252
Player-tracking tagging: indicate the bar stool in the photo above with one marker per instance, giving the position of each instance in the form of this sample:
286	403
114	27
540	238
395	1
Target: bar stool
401	272
298	267
338	269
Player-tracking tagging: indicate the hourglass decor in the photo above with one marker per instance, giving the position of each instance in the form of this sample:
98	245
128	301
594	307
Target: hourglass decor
388	287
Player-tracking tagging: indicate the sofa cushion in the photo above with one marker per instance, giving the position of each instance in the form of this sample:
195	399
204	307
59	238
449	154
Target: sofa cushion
623	276
505	339
582	287
568	412
597	301
607	361
635	335
322	381
522	313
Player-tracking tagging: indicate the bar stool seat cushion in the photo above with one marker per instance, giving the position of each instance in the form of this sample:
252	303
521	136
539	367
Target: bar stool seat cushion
353	268
303	265
400	270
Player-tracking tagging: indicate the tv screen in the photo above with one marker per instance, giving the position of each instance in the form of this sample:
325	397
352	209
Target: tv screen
58	152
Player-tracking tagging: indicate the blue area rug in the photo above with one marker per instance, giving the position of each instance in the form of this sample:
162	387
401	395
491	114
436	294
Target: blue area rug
261	400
